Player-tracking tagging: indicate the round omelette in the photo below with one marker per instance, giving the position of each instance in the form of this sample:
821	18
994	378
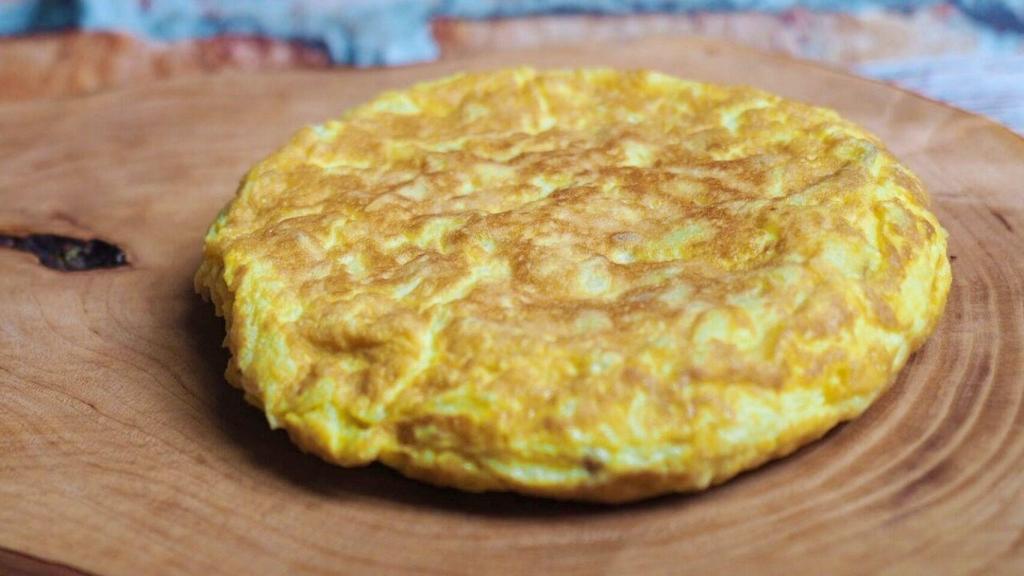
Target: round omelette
589	284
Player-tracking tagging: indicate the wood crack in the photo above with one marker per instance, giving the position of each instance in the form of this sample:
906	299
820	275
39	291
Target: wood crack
1002	219
67	254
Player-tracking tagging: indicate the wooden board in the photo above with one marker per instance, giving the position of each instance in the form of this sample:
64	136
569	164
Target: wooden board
123	451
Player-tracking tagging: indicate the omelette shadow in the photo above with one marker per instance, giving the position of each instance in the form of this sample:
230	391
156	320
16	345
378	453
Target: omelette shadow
246	429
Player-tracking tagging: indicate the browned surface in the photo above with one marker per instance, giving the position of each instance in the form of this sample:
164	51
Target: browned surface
546	209
123	451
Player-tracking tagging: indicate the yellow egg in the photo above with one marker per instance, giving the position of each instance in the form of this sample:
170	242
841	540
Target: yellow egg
586	284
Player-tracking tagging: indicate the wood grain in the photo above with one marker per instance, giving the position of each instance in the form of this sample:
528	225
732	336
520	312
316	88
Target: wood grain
123	451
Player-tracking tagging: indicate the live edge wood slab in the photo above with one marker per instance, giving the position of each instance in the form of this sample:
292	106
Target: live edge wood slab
124	451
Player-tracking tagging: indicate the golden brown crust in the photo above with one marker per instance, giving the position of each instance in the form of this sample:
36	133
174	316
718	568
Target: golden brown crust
584	284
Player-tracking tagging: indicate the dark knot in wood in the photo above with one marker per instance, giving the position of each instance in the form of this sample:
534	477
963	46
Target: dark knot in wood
67	254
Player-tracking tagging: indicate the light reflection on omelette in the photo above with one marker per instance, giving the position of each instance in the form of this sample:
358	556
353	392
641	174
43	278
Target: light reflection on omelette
592	284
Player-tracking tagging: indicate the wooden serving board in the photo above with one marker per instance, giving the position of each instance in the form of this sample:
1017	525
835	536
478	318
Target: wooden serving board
123	450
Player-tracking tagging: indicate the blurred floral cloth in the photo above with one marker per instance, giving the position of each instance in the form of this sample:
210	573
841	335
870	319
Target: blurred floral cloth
967	52
390	32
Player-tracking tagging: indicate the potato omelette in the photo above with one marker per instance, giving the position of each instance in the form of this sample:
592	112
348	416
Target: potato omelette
587	284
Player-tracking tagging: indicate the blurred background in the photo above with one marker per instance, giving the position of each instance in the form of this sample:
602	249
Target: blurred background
966	52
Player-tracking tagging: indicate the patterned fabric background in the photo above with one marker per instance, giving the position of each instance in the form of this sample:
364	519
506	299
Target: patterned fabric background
389	32
967	52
